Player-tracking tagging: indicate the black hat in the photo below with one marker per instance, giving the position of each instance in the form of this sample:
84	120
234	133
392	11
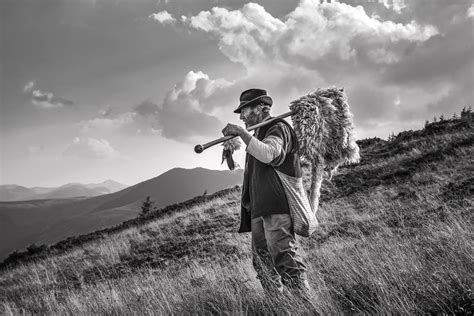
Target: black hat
251	97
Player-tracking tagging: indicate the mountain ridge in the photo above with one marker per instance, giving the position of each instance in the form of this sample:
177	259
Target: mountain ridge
51	220
14	192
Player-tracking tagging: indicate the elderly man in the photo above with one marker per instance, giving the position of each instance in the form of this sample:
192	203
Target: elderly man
271	162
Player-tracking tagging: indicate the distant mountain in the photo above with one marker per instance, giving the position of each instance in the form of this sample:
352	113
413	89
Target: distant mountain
45	221
176	185
13	192
74	190
19	193
111	185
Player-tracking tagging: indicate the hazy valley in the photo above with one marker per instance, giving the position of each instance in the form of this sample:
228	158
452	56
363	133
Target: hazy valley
45	221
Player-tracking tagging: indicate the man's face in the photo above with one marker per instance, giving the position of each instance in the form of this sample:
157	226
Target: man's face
250	115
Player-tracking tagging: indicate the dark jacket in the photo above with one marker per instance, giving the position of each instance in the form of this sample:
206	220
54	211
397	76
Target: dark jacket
262	191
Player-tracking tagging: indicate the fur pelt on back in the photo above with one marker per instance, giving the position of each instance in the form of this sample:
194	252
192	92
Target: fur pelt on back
325	130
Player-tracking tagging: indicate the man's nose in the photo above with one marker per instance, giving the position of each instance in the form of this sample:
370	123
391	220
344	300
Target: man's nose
242	116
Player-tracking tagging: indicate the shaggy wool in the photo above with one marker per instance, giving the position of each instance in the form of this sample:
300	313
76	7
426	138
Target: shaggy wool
324	127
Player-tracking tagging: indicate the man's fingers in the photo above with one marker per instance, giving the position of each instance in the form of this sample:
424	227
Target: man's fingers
224	130
230	129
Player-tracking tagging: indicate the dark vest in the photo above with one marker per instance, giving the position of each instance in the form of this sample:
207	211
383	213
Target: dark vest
262	191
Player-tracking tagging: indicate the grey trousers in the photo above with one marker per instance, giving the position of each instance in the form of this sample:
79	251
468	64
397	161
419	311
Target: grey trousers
275	256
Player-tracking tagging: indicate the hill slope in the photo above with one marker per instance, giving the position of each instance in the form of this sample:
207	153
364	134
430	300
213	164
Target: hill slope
395	238
47	221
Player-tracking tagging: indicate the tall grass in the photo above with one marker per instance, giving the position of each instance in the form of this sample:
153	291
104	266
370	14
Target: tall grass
403	246
370	256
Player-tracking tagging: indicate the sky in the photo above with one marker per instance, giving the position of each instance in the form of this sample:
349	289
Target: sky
123	89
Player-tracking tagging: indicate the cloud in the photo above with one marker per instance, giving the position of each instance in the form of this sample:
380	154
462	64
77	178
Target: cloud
395	5
111	124
29	87
185	113
310	33
146	109
470	11
140	119
91	148
45	100
442	14
106	111
163	17
397	63
316	45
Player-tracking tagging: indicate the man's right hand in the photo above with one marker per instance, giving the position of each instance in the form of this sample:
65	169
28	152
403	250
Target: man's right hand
236	130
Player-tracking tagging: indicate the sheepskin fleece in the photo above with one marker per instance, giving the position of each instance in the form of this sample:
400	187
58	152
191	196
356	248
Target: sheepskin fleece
324	126
323	123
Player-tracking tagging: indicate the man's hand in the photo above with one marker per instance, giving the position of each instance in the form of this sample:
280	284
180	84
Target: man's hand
236	130
232	129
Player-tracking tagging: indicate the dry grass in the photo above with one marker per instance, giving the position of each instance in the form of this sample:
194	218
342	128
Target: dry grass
401	245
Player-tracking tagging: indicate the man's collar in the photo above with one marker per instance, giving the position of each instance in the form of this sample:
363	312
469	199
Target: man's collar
265	119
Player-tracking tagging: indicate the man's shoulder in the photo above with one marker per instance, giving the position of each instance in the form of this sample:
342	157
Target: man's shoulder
280	126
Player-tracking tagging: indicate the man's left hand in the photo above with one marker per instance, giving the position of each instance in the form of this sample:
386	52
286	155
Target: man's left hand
232	129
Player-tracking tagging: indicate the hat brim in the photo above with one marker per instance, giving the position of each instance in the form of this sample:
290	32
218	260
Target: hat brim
268	100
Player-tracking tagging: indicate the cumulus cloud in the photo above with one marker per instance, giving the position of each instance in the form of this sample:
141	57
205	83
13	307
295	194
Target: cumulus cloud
470	11
396	5
310	33
163	17
91	148
392	62
185	112
45	100
316	45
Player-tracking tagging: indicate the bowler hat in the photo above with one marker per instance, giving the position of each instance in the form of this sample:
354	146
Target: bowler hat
252	97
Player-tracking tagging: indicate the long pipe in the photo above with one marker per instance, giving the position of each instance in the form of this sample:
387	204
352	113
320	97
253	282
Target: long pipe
200	148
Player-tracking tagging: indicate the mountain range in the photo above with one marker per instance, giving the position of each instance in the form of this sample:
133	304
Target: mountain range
13	192
45	221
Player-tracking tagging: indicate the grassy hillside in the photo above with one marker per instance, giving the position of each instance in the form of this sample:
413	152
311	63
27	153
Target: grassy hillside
396	237
49	221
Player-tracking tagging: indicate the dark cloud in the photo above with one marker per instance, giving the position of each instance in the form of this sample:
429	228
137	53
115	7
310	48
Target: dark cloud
45	99
146	108
441	58
182	115
443	14
185	124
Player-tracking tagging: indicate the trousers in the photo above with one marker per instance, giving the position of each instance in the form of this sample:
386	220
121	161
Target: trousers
275	253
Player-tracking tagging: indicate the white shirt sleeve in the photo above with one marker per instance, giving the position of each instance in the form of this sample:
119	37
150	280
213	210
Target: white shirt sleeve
266	150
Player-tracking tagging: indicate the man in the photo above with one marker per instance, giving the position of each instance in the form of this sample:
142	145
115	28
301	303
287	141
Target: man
271	163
